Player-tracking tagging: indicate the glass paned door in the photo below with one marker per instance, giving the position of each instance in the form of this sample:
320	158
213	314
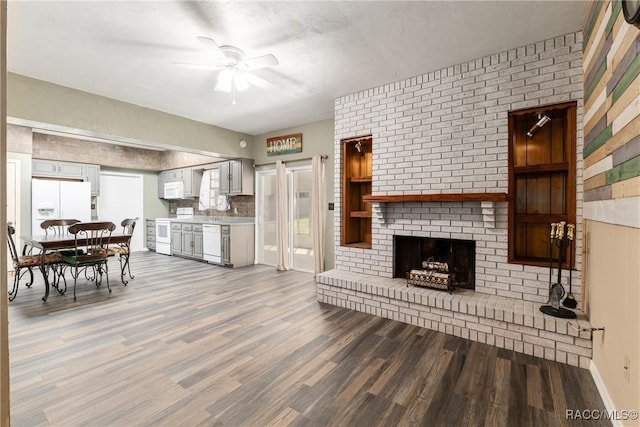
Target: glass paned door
300	201
300	249
266	213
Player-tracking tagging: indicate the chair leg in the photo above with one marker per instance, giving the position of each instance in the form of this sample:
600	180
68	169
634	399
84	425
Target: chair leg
75	279
30	277
14	291
58	273
124	265
106	273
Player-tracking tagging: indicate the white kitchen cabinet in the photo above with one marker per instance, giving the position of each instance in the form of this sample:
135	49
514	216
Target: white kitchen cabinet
238	244
92	174
162	178
150	228
68	170
176	238
186	240
56	169
236	177
191	179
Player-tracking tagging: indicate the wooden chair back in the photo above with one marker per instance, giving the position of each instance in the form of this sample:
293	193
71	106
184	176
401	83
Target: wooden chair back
12	244
128	225
57	226
92	238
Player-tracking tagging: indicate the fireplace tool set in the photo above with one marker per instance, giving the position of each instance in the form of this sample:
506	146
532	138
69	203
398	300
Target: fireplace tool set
562	236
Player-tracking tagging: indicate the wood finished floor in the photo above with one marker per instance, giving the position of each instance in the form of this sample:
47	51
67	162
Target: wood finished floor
189	344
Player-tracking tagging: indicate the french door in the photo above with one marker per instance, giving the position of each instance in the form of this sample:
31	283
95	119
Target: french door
300	247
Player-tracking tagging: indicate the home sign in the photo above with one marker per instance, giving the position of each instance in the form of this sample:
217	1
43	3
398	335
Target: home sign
286	144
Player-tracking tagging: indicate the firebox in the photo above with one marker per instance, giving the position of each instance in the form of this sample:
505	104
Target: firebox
409	252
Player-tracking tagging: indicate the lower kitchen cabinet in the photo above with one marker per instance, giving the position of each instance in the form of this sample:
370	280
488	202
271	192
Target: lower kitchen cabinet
176	238
150	234
186	240
238	244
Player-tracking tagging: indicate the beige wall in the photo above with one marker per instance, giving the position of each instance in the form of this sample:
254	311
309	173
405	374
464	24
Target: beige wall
612	273
54	107
317	138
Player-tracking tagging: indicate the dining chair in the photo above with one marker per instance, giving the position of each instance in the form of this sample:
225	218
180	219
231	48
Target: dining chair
123	250
57	226
91	249
25	263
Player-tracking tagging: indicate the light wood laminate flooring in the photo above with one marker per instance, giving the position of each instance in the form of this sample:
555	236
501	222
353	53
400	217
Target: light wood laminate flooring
190	344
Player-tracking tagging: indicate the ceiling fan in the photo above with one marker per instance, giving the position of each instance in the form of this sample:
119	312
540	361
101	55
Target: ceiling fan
235	74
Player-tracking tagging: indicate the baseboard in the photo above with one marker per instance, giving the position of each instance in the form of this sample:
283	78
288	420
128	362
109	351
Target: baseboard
604	394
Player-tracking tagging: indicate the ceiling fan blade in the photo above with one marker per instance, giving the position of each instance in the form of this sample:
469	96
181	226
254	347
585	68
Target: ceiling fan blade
260	62
212	47
199	66
257	81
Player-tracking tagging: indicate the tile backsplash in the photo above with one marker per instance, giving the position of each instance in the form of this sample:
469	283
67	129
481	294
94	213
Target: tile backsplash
240	206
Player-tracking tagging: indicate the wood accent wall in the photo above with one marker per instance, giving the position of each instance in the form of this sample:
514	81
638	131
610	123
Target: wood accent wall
611	125
611	61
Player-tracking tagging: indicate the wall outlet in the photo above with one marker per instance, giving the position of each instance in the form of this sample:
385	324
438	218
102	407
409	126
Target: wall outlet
627	368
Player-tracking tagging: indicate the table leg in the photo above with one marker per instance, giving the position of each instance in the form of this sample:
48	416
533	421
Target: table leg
43	269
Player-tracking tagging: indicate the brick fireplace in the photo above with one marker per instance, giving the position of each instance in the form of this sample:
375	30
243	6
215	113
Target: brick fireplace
446	133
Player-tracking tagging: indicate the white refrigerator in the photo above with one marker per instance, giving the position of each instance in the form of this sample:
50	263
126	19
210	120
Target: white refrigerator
53	199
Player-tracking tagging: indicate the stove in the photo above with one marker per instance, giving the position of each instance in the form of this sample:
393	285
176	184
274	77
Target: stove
163	230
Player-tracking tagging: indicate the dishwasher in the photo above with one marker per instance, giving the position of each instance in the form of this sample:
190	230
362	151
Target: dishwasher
212	243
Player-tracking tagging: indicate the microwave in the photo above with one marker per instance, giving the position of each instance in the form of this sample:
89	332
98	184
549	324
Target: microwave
174	190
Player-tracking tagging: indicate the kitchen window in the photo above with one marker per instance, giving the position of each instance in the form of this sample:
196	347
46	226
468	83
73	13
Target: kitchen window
542	178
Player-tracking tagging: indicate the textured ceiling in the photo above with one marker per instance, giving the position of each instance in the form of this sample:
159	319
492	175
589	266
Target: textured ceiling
125	49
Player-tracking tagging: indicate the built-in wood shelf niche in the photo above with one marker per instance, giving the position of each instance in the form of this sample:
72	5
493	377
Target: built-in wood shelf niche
357	156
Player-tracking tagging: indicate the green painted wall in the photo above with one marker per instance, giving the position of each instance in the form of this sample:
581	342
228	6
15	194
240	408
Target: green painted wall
317	138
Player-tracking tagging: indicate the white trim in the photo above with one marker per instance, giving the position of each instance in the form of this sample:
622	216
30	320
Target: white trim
604	394
624	211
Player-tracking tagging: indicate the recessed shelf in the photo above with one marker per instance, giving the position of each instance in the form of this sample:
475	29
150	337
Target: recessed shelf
360	214
362	245
357	156
361	179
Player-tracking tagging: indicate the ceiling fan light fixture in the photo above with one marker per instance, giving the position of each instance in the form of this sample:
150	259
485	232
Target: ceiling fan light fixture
230	78
225	80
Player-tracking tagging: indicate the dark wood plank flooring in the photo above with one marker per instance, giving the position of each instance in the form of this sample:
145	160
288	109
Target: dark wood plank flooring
186	343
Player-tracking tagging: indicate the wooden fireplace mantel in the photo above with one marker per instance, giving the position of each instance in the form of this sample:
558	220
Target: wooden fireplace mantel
487	203
456	197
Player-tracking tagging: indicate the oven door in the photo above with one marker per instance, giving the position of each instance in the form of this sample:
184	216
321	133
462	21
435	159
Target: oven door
163	236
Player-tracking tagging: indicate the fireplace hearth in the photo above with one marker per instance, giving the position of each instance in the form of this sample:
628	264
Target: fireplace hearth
409	252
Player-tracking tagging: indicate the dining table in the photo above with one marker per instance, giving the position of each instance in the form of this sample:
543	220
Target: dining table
55	242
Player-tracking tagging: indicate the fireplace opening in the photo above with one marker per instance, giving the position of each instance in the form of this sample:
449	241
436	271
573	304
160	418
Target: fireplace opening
409	252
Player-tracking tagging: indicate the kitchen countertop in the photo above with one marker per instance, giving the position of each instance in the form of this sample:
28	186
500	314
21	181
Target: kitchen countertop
222	220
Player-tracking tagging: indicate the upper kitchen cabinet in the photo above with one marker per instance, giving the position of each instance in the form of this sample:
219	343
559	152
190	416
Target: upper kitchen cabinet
68	170
56	169
162	178
191	179
92	174
236	177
